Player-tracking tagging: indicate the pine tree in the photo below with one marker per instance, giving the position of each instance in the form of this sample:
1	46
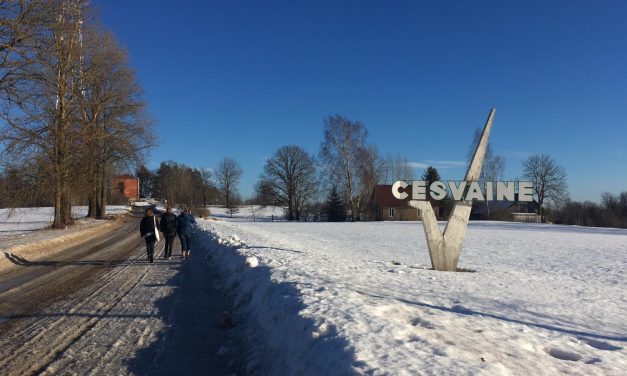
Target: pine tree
335	207
430	175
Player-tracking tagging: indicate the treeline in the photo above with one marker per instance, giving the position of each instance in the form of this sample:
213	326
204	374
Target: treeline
611	212
178	184
338	183
71	111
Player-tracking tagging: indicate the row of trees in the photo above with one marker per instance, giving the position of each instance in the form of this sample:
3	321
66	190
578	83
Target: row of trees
70	105
347	167
611	212
192	187
177	183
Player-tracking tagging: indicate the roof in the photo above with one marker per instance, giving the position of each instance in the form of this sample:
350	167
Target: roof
384	198
127	176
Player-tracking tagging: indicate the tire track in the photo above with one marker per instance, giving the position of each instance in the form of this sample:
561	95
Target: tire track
33	340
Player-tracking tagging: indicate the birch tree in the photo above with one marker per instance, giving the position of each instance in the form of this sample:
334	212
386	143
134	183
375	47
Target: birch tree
340	149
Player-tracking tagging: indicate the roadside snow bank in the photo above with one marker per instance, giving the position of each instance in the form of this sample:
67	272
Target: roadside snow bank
336	298
282	340
40	248
25	221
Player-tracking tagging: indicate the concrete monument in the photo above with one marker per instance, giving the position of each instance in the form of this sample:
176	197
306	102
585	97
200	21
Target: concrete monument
445	248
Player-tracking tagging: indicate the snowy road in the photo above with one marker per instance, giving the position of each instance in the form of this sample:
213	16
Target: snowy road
102	309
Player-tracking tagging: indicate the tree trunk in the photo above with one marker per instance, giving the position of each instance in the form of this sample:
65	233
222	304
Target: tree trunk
91	205
92	210
58	218
66	206
102	207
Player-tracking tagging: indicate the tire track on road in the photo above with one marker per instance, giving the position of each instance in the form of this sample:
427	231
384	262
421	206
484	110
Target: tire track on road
31	340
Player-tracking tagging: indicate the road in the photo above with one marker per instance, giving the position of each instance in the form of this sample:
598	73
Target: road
101	308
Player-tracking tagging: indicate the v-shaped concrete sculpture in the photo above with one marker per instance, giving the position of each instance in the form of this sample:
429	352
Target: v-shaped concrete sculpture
444	248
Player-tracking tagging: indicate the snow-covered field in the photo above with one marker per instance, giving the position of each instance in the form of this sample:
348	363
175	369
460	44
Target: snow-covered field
24	234
23	220
342	298
249	213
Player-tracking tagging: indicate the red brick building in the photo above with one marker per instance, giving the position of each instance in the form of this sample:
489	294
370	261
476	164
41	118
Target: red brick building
127	185
389	208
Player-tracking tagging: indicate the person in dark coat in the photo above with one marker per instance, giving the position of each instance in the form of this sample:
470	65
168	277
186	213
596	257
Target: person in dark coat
167	225
184	229
148	229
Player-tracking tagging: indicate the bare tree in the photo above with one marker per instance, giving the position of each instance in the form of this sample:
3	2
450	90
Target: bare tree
548	179
40	110
70	109
227	176
208	187
370	169
290	177
21	27
114	127
395	168
493	165
339	152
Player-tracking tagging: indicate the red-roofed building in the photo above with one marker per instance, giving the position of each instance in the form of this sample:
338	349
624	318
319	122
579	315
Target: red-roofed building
127	185
389	208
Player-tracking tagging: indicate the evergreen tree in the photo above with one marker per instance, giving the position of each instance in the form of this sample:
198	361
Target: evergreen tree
430	175
335	207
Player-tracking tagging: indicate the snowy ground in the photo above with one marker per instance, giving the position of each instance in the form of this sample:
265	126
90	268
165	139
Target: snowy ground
341	298
249	213
24	220
110	312
25	233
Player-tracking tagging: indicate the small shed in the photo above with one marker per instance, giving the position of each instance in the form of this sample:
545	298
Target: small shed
127	185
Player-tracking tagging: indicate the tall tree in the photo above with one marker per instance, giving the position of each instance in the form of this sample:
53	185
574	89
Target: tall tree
146	179
548	180
430	175
70	103
290	176
40	110
370	168
395	168
340	149
22	25
114	127
493	166
334	207
208	188
183	185
228	174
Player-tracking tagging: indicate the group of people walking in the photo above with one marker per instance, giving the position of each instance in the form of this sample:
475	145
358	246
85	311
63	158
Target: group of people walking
170	225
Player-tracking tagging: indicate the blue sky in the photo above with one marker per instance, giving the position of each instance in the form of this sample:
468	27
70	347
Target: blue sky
242	78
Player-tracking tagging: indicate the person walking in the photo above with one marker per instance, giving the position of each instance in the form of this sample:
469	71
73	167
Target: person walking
167	225
150	232
184	228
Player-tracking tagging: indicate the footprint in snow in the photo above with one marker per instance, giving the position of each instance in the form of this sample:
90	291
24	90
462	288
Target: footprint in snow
564	354
422	323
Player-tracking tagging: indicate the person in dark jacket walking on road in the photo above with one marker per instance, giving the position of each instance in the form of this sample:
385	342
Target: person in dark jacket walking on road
167	225
184	228
149	231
